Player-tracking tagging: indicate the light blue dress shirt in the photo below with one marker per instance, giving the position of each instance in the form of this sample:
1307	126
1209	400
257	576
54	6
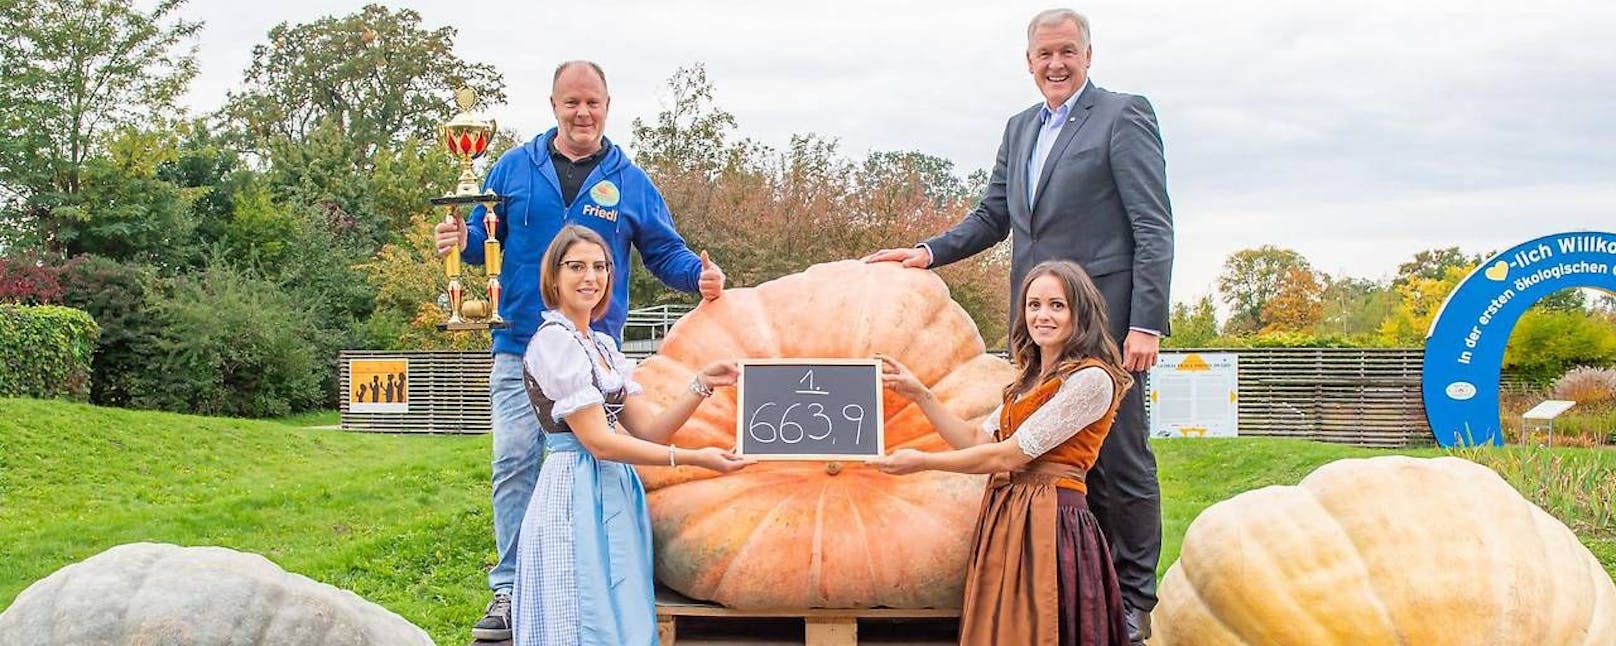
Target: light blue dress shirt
1052	122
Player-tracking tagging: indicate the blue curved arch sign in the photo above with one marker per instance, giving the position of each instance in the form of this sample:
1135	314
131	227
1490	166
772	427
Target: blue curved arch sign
1464	349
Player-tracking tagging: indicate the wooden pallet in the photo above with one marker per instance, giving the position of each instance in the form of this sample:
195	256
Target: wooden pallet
820	626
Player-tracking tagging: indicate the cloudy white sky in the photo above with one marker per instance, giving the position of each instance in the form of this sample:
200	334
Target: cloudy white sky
1356	133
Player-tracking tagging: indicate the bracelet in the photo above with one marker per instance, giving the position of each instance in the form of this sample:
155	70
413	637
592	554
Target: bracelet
671	448
700	388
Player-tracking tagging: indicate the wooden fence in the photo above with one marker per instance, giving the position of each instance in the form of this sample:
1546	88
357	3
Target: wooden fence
1366	397
448	393
1361	396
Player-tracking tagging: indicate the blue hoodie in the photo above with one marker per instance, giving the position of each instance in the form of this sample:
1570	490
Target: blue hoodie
617	201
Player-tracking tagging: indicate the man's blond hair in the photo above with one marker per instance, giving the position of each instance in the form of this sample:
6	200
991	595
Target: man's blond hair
1054	17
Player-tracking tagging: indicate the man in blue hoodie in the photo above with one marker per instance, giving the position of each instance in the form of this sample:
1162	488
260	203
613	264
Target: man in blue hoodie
569	175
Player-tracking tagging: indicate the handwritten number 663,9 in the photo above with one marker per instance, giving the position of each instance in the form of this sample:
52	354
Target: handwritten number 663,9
790	431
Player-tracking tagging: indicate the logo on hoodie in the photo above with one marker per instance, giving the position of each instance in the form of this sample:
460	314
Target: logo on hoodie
605	193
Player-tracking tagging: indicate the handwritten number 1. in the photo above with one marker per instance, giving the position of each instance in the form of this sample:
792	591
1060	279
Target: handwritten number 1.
812	388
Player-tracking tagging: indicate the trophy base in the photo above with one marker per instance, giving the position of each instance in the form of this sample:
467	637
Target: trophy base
464	200
461	326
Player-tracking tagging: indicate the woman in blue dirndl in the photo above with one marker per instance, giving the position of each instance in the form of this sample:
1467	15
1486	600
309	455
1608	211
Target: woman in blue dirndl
583	571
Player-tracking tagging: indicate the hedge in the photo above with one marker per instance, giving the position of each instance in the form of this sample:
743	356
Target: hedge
45	351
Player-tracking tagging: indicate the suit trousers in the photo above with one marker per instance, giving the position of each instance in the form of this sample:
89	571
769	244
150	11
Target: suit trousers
1124	493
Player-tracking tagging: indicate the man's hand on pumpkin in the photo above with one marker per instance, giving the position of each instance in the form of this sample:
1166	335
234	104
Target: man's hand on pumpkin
917	257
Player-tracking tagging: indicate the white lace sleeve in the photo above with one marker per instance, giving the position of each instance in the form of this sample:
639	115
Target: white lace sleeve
1083	398
622	365
990	424
562	369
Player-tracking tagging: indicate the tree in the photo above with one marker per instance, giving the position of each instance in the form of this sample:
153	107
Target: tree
764	213
1420	299
210	172
344	111
691	133
1606	305
1250	278
976	184
257	232
1195	327
897	172
125	211
1296	307
17	136
372	78
1355	307
1570	299
74	71
363	208
1433	264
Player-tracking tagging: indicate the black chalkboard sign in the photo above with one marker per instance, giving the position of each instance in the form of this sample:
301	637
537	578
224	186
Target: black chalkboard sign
809	409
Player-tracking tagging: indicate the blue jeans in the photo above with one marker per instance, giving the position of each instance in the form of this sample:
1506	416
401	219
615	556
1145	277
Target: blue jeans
518	451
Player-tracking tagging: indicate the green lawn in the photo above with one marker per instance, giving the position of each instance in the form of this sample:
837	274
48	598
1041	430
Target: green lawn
400	520
404	520
313	418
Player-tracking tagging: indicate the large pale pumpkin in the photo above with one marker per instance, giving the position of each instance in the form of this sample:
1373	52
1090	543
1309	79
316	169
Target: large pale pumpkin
817	534
1387	550
148	594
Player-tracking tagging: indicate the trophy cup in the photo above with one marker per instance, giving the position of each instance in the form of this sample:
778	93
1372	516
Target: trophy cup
466	136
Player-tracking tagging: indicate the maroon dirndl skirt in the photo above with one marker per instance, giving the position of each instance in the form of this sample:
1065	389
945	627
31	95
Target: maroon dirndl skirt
1091	611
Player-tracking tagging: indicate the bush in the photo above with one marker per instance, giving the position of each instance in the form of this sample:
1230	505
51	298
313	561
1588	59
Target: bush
26	280
1587	386
232	344
1289	339
1549	343
118	296
45	351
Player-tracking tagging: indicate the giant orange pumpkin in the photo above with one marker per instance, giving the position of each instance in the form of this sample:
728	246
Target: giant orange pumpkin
818	534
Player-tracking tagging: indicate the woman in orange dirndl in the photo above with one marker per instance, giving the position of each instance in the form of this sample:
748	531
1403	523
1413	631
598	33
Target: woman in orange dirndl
1040	571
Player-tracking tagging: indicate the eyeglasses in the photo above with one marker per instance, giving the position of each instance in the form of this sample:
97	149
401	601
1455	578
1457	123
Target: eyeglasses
578	266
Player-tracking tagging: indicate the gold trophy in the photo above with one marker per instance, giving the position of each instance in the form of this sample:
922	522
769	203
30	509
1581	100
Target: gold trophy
466	136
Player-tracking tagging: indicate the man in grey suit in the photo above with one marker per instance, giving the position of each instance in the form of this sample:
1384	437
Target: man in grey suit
1082	177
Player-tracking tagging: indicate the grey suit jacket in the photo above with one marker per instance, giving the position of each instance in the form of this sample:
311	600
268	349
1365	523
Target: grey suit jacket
1101	201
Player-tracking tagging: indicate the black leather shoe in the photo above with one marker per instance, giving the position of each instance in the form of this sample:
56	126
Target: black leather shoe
1138	625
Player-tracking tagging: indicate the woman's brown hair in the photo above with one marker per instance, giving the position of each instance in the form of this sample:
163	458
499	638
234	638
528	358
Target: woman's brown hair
549	271
1090	339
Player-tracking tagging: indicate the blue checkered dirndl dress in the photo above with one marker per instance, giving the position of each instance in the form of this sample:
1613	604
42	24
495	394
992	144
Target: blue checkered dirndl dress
583	559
